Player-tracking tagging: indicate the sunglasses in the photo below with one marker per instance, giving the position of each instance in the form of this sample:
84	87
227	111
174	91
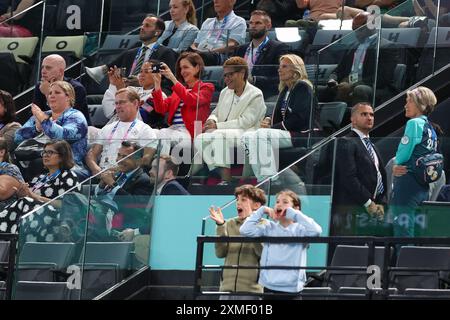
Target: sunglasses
48	152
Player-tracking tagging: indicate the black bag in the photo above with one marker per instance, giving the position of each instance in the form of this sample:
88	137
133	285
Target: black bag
429	168
28	150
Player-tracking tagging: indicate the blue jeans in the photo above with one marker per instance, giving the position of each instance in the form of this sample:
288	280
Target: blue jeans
408	194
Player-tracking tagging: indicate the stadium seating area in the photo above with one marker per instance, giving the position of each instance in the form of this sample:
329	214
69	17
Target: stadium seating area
88	265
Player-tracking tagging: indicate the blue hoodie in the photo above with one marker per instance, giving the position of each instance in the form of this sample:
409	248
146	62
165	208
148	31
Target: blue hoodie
288	254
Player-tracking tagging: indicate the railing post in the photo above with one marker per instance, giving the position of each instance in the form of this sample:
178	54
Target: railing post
198	266
11	263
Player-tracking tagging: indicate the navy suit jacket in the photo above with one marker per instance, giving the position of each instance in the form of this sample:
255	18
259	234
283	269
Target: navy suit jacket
355	174
266	77
173	187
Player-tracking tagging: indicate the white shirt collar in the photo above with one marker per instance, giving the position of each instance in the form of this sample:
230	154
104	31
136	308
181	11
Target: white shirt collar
360	134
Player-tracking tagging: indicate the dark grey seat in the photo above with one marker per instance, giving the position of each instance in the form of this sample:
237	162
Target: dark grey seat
105	264
421	257
351	256
332	115
38	290
428	293
38	261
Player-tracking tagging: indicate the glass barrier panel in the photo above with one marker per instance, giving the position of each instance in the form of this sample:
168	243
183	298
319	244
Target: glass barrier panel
92	235
20	40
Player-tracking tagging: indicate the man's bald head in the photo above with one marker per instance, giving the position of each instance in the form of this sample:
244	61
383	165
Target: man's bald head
52	68
360	19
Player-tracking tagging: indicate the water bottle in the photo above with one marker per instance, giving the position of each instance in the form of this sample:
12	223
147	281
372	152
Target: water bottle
306	14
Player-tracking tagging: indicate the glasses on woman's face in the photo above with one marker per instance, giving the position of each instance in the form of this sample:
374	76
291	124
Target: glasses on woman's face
48	153
229	74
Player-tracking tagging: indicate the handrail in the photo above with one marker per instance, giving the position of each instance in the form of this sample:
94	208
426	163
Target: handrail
22	12
387	242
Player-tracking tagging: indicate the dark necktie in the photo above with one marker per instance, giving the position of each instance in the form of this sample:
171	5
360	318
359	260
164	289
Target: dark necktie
166	42
371	150
140	62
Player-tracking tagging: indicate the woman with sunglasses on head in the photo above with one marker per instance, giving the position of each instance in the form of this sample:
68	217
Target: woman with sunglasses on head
40	226
189	102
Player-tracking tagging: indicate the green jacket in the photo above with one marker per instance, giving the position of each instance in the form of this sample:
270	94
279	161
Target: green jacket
242	254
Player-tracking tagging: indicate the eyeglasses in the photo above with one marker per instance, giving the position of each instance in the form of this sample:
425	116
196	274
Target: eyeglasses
229	74
48	152
120	102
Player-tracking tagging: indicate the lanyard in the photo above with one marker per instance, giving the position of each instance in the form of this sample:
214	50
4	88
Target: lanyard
47	178
126	133
222	27
249	51
138	54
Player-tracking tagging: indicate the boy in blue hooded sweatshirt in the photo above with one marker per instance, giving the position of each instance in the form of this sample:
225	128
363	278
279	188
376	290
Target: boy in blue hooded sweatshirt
288	221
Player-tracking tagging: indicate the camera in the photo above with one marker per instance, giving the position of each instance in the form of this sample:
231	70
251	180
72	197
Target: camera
156	68
121	72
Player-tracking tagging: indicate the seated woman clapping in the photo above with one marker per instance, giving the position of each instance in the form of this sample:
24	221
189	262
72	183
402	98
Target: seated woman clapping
61	122
189	102
58	178
10	177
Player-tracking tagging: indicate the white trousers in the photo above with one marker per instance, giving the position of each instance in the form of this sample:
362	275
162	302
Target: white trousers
178	137
261	149
216	147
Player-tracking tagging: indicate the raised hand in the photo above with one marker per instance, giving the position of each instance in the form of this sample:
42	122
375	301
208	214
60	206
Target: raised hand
216	215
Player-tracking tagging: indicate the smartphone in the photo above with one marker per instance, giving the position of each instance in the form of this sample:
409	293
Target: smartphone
121	72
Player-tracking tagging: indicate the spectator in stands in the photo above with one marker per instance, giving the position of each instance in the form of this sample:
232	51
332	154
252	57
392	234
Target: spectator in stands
145	91
221	34
128	188
353	79
280	10
289	220
189	102
42	226
8	125
240	108
360	179
248	199
61	122
182	30
10	177
419	139
132	60
52	69
127	127
262	54
295	114
163	174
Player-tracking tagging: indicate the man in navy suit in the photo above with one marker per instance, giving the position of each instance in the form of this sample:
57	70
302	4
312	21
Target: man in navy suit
360	179
164	173
128	190
262	54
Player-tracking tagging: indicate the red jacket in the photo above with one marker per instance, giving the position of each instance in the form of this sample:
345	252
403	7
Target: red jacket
188	111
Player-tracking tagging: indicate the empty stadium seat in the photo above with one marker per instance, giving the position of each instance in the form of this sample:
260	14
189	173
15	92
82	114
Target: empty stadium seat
214	75
120	42
10	79
402	37
421	257
64	44
331	115
351	256
19	47
104	265
429	293
40	290
319	75
38	261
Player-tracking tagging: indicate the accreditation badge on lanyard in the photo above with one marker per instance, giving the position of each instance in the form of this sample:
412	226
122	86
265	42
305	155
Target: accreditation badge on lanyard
219	33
